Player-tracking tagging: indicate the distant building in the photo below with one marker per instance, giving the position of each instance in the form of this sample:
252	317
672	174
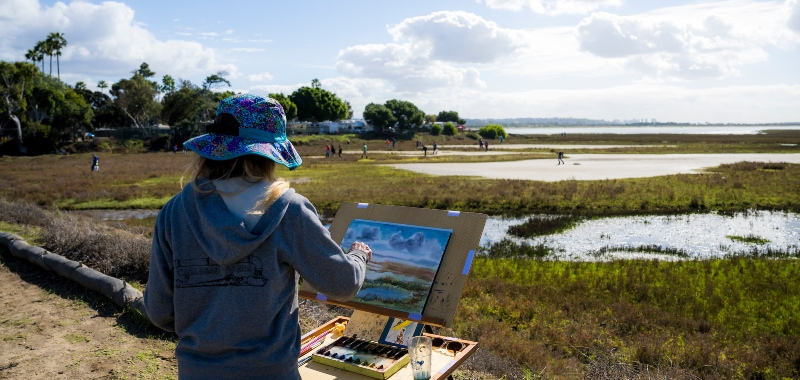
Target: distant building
334	127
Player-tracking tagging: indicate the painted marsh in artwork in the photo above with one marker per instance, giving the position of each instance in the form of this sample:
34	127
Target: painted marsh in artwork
404	262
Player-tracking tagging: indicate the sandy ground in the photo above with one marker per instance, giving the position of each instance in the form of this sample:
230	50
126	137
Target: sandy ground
52	328
595	166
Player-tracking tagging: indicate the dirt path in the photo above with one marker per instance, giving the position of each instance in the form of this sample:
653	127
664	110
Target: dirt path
595	166
52	328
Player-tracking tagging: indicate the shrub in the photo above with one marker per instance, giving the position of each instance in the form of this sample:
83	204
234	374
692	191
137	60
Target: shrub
449	129
493	131
436	129
472	135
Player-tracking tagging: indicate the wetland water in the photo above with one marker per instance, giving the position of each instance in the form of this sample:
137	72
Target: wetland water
698	236
654	130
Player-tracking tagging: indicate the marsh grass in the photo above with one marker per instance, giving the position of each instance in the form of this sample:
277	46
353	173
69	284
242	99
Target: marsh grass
507	248
716	319
149	180
750	239
645	249
540	225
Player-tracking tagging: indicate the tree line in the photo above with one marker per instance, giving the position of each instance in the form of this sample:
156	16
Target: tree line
42	113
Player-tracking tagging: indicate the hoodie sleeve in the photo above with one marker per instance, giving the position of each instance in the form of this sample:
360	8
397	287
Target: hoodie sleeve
318	259
159	291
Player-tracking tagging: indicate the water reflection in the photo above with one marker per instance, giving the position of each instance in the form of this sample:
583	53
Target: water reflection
697	235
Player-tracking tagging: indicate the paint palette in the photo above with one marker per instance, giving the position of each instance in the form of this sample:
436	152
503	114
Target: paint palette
365	357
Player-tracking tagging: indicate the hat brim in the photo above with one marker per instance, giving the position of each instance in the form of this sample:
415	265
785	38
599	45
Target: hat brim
224	147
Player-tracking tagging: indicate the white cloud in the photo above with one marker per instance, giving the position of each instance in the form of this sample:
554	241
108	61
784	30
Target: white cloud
430	51
457	37
261	77
699	41
553	7
794	15
103	40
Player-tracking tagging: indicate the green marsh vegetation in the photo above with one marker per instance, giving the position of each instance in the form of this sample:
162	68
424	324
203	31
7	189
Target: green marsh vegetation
715	319
149	180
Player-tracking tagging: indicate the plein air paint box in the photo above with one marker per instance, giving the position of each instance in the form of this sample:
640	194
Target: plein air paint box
365	357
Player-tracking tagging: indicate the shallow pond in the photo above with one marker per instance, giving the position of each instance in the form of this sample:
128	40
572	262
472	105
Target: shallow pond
701	236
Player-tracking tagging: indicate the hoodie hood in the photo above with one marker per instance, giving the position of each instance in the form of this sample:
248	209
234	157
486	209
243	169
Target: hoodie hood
221	235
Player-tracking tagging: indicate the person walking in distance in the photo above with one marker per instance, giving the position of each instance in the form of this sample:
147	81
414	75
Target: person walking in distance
228	250
95	163
364	151
434	147
340	150
560	156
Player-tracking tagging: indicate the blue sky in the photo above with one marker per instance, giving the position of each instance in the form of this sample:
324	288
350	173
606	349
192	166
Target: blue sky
687	61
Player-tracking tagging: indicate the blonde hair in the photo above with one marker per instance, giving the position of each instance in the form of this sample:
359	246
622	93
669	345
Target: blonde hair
251	168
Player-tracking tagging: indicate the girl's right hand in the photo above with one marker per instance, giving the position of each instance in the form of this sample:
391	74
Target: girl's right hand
362	247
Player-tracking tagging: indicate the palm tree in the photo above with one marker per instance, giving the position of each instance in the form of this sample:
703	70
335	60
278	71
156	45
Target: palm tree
102	85
40	50
57	42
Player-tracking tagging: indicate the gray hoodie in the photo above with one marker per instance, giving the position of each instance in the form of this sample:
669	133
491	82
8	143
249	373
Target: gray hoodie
231	295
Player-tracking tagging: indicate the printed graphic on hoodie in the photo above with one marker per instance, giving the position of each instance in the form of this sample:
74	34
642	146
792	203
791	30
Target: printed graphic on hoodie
205	272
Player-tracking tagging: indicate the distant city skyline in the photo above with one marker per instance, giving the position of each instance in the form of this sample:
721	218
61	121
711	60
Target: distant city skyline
693	61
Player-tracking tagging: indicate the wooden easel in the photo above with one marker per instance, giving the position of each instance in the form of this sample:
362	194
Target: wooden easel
368	322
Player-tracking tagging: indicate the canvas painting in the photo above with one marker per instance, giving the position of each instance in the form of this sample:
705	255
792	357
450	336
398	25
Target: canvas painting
405	259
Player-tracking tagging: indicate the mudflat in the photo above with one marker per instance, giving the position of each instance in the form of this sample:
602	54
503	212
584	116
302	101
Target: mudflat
596	166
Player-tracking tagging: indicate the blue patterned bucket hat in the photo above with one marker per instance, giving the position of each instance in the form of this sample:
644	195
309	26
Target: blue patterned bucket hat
247	124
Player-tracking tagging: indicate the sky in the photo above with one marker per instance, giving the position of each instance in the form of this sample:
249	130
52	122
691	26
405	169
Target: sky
691	61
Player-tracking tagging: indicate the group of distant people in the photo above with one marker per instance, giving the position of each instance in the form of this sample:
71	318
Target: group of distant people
330	151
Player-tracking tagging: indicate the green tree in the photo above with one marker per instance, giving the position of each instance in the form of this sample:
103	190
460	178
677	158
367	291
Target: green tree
449	129
216	80
136	97
41	50
492	131
407	114
316	104
430	119
447	116
288	105
102	85
144	71
15	84
106	114
167	84
349	110
436	129
185	104
315	83
379	116
56	42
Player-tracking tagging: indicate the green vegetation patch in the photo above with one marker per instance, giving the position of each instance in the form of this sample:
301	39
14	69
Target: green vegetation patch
540	225
750	239
717	319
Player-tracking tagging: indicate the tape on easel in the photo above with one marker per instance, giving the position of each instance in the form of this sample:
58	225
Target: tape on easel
363	205
414	316
468	264
321	297
446	367
453	213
